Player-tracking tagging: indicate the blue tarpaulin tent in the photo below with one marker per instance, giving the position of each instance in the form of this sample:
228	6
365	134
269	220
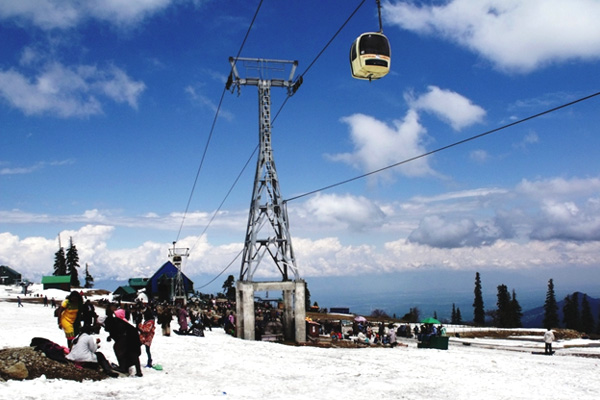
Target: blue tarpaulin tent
162	284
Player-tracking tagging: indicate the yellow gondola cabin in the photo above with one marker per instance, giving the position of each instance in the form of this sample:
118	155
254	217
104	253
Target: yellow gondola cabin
370	56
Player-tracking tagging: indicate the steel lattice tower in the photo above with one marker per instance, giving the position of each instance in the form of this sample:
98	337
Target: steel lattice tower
268	225
267	233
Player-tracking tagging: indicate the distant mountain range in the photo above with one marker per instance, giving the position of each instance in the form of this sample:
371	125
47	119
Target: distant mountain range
534	318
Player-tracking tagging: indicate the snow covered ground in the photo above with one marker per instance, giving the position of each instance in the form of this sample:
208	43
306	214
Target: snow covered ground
220	366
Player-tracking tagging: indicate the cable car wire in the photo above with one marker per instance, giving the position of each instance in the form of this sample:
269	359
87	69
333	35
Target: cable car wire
444	147
212	128
221	273
224	199
460	142
301	76
299	81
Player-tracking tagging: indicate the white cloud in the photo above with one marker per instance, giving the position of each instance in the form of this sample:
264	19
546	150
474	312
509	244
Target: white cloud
536	224
115	84
328	257
68	91
46	14
449	106
461	195
356	213
479	156
122	12
529	139
378	145
7	170
545	210
515	35
569	221
502	254
440	232
64	14
558	188
18	170
204	101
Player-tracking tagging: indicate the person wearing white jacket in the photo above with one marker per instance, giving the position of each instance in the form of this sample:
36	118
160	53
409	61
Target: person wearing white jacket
392	337
548	339
85	351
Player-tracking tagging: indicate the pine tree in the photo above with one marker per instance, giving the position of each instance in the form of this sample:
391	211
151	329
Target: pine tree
550	308
453	316
89	279
60	263
229	288
587	320
73	263
412	315
516	312
379	313
571	312
598	324
478	310
503	316
458	316
567	311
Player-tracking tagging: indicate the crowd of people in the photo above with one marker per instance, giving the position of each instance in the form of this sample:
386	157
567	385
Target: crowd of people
426	331
131	326
362	331
367	333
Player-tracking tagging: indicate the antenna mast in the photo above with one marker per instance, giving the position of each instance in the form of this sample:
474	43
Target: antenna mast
176	256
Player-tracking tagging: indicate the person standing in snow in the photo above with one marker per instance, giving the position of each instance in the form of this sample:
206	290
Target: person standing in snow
548	339
69	316
164	317
89	314
230	324
182	319
147	333
206	321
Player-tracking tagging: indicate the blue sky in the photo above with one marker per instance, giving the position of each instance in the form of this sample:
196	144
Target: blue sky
106	109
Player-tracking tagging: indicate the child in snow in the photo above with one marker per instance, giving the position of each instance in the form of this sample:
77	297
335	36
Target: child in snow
147	333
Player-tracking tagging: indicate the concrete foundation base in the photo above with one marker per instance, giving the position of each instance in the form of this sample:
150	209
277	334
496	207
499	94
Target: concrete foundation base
294	298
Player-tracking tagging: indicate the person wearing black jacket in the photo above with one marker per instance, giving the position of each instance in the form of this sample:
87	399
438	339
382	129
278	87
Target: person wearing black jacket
127	346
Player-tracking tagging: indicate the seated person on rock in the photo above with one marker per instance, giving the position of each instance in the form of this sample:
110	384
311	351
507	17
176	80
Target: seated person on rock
85	352
362	338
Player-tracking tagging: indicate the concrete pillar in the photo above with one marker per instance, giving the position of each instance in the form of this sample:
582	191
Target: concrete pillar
300	311
239	311
244	306
288	317
248	313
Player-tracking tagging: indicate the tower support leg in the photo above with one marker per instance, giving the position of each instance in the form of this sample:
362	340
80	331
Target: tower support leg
245	324
300	311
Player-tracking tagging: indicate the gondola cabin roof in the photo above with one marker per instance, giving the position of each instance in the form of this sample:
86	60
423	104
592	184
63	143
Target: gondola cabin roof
370	56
